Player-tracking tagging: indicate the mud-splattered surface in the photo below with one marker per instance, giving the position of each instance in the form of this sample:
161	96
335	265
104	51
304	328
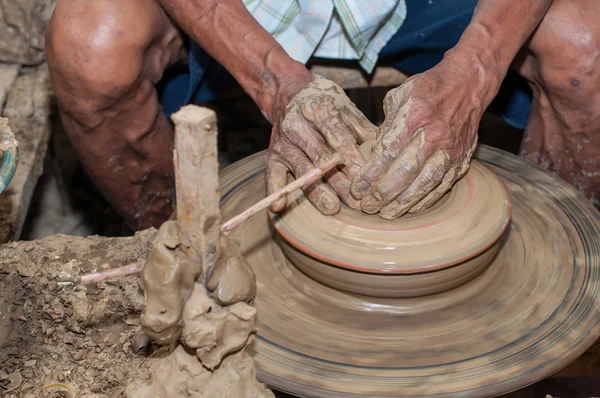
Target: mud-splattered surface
82	337
55	336
59	333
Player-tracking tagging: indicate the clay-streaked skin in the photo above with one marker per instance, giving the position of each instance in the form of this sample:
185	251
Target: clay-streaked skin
321	120
404	173
114	120
533	311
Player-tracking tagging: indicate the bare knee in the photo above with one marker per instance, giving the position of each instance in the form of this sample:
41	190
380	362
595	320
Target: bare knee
97	56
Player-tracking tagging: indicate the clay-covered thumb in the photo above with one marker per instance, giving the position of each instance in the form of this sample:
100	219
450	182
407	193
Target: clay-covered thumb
168	279
232	280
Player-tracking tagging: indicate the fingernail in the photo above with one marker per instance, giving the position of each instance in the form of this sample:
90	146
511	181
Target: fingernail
278	206
419	208
415	209
328	203
370	204
393	214
361	187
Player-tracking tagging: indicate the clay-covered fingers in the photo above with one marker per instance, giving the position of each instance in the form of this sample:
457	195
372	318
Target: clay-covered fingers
437	193
396	178
277	176
305	141
362	127
455	173
326	118
319	122
285	153
426	182
392	138
292	159
318	193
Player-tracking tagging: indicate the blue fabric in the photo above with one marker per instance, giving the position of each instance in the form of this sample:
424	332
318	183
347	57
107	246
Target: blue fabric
431	28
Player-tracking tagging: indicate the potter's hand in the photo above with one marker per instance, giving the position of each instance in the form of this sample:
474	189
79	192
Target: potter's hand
319	120
424	145
169	278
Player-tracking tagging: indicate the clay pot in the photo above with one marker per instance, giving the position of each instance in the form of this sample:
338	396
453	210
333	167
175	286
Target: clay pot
415	255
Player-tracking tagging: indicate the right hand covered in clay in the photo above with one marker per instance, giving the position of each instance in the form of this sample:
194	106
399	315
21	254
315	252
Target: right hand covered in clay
320	120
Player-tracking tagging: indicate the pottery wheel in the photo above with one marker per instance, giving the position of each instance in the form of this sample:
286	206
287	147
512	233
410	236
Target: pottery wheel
532	311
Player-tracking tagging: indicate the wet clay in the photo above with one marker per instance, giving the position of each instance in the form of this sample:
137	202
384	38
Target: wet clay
531	312
168	280
85	337
232	280
215	331
198	287
212	324
181	375
467	220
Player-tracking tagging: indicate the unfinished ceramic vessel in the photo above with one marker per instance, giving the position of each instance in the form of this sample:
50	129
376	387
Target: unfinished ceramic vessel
415	255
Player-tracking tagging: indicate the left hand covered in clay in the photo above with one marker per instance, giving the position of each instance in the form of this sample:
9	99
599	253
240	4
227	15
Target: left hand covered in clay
424	145
317	122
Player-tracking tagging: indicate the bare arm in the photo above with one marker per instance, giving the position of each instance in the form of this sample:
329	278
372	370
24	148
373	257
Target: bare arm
497	32
231	35
313	129
430	133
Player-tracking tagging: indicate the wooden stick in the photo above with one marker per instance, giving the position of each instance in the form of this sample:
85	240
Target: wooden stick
306	180
112	273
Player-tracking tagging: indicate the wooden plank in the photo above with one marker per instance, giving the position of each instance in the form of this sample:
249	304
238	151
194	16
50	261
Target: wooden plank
197	183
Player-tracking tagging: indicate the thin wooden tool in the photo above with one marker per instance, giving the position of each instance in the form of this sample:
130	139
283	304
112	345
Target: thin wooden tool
306	180
112	273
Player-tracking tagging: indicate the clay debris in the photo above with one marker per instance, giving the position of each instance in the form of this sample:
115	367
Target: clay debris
198	287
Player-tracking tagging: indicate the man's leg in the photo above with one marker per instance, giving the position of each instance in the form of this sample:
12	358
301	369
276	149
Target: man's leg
562	65
105	58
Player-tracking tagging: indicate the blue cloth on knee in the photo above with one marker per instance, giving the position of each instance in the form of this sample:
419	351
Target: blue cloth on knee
431	28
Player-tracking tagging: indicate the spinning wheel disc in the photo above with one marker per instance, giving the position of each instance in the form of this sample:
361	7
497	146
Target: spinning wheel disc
533	311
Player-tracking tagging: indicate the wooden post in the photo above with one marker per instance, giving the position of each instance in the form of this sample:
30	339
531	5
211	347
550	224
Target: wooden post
197	184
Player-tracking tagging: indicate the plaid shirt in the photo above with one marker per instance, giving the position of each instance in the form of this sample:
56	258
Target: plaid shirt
339	29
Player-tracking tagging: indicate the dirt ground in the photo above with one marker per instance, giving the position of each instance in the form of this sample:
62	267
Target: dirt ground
58	336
